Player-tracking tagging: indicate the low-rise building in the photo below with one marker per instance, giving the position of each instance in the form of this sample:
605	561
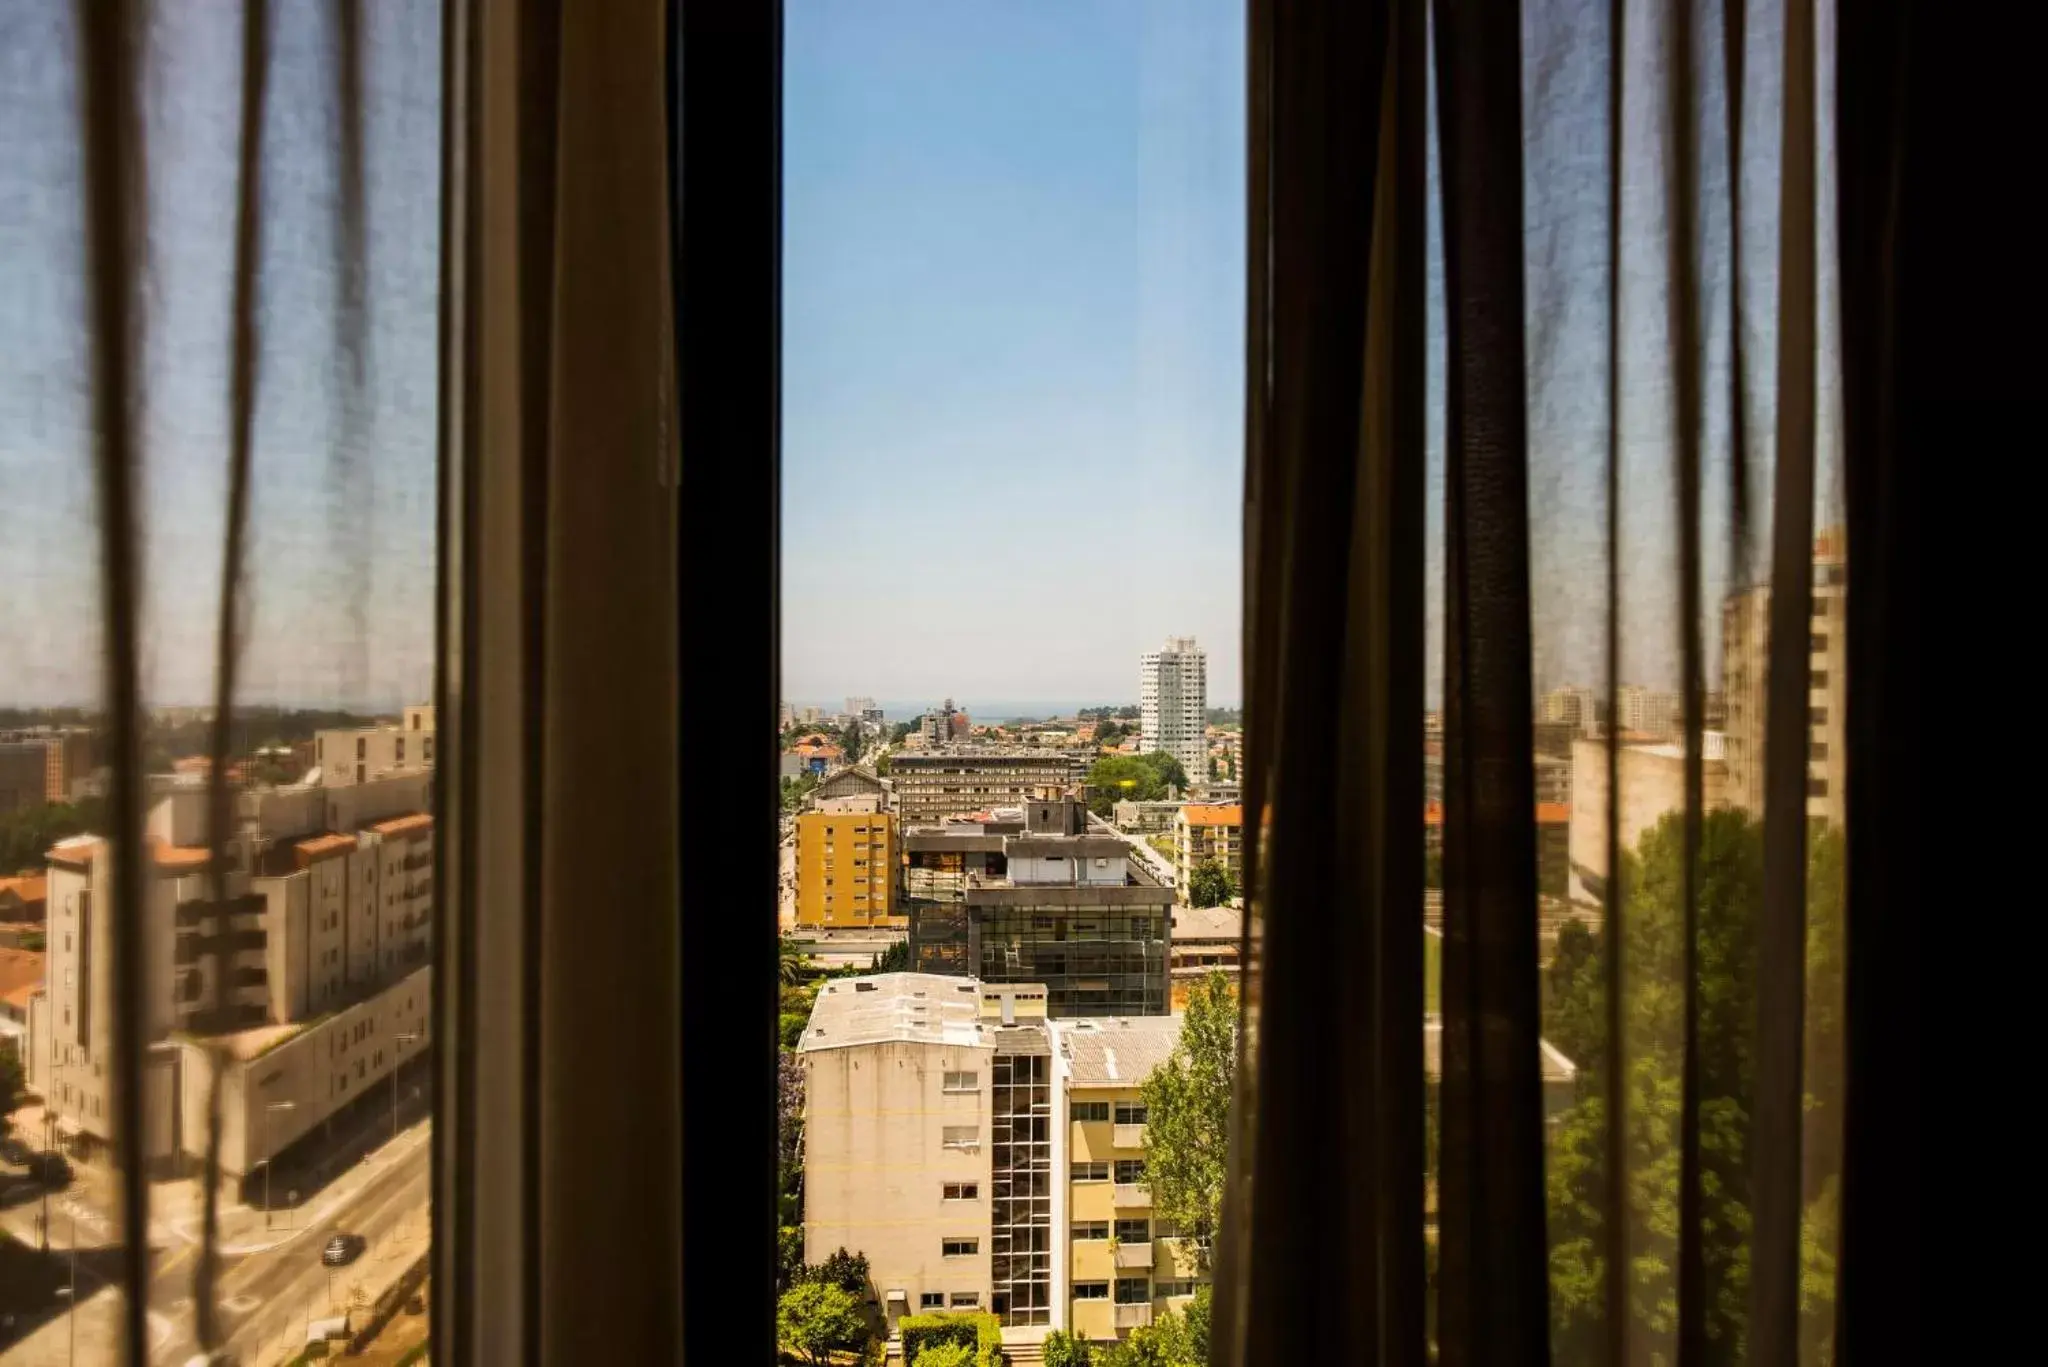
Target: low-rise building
1146	818
1652	784
360	754
1032	895
1205	940
932	785
1208	833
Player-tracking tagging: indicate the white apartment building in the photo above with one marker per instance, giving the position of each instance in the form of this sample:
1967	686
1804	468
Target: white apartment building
310	975
1573	705
1652	784
359	754
1173	704
1745	670
1650	711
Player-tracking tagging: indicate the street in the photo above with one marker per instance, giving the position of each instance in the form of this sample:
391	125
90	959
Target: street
271	1281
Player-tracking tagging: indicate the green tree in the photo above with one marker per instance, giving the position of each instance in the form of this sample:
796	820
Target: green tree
816	1319
1210	885
791	959
1062	1349
11	1082
894	959
1730	895
946	1355
853	740
1187	1113
1111	732
1139	778
795	790
1171	1340
1574	995
847	1271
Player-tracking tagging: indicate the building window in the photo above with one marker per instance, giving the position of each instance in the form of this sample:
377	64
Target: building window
1820	642
1168	1290
963	1082
1137	1231
966	1300
1091	1291
1130	1112
1129	1171
963	1191
1084	1111
1091	1172
1091	1229
932	1300
1818	716
1819	679
1133	1291
1817	749
959	1248
362	747
398	750
1816	787
961	1137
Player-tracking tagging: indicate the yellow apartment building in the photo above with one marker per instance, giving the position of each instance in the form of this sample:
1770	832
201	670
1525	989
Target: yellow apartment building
1205	832
845	866
1122	1264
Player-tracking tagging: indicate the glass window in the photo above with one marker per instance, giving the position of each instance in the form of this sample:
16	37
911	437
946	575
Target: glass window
1130	1170
1091	1172
962	1082
1091	1229
1130	1112
1090	1110
1133	1290
1138	1231
962	1191
1091	1291
959	1248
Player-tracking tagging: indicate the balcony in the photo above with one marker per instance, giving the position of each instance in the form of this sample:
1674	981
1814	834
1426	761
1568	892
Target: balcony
1134	1316
1131	1196
1127	1136
1133	1256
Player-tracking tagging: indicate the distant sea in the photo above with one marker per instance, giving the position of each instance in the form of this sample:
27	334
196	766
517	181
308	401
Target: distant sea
999	709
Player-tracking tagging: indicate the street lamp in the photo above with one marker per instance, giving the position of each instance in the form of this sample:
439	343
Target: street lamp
267	1164
396	1040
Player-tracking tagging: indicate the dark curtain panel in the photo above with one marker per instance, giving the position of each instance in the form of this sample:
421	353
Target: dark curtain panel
1491	1286
1326	1202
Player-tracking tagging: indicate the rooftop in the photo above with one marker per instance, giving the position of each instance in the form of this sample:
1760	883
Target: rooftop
1208	923
29	887
21	971
1214	814
325	844
1114	1051
402	825
914	1008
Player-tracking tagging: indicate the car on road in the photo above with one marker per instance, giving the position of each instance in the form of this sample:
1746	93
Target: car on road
343	1249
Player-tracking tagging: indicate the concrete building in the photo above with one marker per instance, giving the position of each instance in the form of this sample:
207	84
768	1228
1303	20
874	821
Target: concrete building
1652	784
1571	704
1033	896
360	754
1745	661
1146	818
984	1155
43	763
309	973
846	865
1205	940
958	780
1208	833
1173	704
1553	780
1650	711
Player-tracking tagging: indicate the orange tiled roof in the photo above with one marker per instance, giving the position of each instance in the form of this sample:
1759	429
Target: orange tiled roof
29	887
21	970
18	998
1547	813
1216	814
322	845
74	854
179	858
404	825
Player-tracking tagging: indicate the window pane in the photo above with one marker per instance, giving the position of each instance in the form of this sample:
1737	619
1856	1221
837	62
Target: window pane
1013	351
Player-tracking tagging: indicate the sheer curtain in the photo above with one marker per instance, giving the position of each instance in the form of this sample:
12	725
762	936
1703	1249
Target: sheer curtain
1655	638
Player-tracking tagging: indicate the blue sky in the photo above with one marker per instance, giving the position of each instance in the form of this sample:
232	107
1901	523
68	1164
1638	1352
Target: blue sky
1013	352
1013	345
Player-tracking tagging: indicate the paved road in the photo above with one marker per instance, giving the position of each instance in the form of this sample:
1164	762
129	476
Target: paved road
268	1287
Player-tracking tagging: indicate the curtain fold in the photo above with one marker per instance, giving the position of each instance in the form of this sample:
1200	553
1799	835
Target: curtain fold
1493	1305
1325	1201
